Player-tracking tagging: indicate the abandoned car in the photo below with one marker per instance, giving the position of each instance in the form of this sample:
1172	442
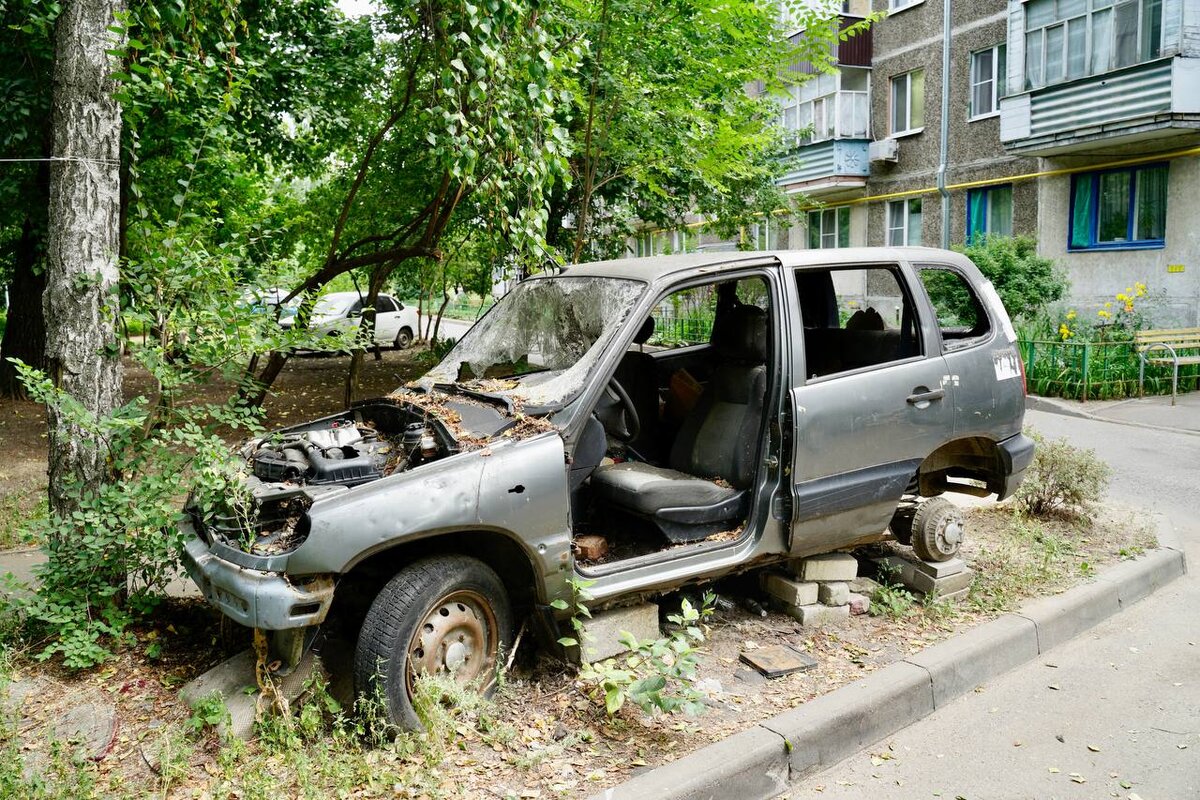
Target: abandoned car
687	417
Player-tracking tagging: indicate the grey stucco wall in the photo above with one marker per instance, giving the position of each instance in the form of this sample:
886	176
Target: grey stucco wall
1098	275
912	39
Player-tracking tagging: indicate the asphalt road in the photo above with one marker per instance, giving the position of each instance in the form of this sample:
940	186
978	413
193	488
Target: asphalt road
1114	713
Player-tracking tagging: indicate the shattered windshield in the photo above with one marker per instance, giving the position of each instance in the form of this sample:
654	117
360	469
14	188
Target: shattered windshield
538	345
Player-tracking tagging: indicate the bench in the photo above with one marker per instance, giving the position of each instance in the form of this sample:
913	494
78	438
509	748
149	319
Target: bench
1171	341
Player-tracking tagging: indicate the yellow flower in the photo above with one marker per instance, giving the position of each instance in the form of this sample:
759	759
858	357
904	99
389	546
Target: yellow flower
1108	305
1124	298
1064	331
1128	290
1102	314
1139	289
1071	314
1129	307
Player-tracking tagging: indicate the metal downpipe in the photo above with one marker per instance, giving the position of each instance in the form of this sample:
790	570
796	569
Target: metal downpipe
944	145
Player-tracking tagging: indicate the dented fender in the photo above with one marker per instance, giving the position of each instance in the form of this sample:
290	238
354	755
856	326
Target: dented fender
517	488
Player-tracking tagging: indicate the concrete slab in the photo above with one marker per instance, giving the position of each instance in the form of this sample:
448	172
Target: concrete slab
827	567
834	593
958	665
817	614
753	763
233	680
787	590
940	569
606	627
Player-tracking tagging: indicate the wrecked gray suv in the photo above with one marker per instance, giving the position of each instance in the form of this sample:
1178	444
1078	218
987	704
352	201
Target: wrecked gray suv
640	424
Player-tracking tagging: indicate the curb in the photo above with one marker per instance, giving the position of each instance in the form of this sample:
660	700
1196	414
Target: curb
1051	406
765	760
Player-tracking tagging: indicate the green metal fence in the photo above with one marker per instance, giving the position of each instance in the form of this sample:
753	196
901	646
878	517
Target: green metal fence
1094	370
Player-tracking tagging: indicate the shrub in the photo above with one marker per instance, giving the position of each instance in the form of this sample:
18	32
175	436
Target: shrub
1025	281
1063	480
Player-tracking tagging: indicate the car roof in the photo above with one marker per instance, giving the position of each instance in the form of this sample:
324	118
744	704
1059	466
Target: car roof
655	268
348	296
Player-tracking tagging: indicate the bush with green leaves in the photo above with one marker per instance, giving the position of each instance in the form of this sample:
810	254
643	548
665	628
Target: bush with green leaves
654	674
1063	480
1025	281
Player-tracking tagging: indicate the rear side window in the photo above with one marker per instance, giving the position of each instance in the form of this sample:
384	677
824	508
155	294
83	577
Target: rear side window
384	304
960	314
855	319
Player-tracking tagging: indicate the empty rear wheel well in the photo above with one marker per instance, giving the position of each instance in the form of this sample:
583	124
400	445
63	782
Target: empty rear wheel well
975	458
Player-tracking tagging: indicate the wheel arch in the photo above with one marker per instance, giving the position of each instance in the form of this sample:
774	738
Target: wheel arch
497	549
971	457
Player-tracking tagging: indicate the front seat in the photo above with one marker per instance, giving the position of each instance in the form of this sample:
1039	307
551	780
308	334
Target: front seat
714	456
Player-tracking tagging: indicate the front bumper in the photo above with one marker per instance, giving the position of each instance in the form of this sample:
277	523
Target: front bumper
255	598
1016	454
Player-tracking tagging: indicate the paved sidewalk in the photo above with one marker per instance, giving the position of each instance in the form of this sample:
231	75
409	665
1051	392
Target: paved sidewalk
1155	412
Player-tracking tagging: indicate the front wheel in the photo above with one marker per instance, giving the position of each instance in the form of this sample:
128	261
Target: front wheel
442	615
937	530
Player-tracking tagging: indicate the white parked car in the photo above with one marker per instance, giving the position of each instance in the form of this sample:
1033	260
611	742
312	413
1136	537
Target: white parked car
395	323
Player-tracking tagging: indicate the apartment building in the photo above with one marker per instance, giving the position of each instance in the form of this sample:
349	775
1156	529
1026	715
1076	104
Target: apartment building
1106	96
1076	121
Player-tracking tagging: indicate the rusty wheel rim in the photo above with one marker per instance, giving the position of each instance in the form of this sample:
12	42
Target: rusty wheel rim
458	637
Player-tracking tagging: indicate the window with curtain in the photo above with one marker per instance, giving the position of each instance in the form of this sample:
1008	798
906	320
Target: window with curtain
1122	208
904	222
989	212
1069	39
829	228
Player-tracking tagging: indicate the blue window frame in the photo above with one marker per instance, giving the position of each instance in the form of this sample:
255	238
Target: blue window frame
989	212
1119	209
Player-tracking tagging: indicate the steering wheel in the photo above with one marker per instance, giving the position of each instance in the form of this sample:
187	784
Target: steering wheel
629	415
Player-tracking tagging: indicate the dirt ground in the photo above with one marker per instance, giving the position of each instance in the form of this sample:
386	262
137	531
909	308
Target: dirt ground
543	737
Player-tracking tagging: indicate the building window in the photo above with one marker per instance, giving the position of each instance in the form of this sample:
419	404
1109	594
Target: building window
897	5
989	212
908	102
904	222
987	81
1068	39
1119	208
829	228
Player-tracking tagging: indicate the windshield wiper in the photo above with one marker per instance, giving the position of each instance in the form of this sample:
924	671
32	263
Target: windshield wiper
454	388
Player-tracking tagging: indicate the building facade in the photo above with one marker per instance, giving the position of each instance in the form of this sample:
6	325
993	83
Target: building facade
1074	121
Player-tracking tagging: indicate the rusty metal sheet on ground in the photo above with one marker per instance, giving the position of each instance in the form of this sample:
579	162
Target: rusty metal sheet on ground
777	660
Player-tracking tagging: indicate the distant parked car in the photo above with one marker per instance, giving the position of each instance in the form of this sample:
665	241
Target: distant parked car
395	323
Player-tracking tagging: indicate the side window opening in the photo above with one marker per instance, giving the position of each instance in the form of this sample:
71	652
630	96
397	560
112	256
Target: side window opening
961	316
855	318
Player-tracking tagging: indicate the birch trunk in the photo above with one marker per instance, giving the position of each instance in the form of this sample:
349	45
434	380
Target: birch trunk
80	302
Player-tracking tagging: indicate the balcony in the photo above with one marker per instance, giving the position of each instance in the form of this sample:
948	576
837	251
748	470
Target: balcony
1145	101
1088	76
831	143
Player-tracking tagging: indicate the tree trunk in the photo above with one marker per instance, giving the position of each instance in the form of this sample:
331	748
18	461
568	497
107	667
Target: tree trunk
366	334
25	333
80	302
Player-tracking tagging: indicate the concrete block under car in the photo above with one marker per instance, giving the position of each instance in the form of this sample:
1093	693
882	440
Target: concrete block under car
605	629
913	576
939	569
827	567
787	590
817	614
864	586
834	593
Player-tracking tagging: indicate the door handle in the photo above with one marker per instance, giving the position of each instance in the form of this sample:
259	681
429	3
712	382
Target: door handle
926	397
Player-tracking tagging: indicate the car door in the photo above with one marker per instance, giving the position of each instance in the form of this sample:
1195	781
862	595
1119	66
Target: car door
387	319
868	401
